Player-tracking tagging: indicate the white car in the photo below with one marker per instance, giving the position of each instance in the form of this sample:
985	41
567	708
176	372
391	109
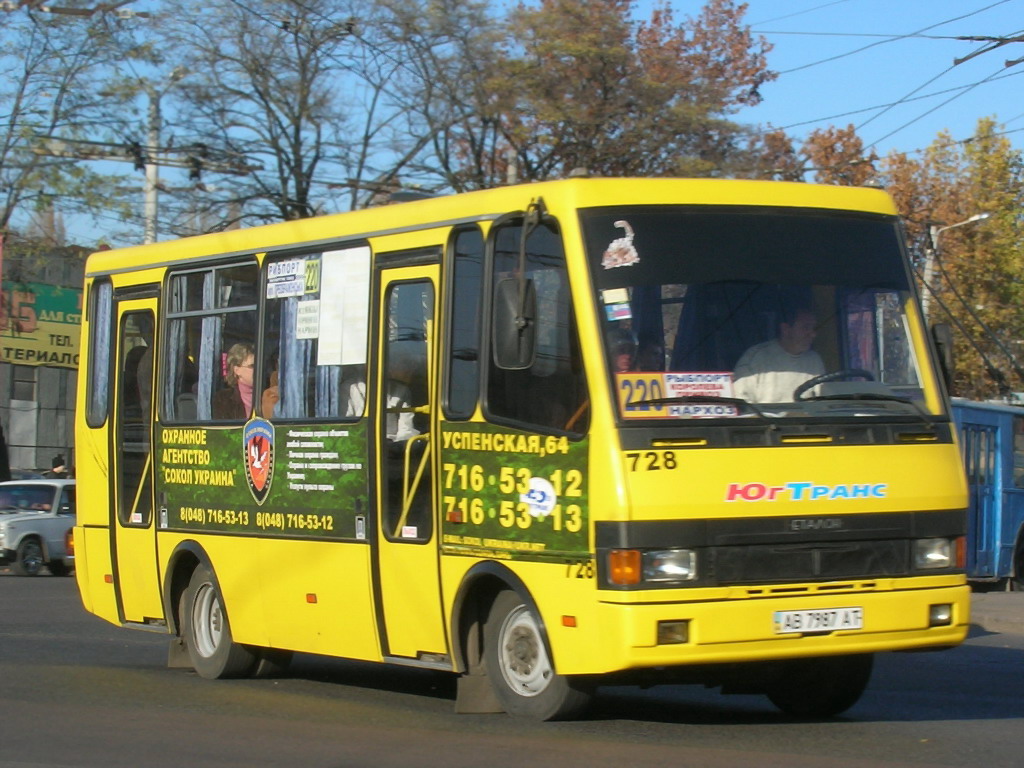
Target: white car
36	517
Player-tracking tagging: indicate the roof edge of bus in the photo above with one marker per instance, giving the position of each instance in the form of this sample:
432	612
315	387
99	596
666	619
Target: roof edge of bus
488	204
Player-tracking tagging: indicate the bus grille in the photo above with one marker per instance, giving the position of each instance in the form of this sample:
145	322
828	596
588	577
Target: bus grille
809	562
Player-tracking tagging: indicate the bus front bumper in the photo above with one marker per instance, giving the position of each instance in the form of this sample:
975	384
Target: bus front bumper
759	628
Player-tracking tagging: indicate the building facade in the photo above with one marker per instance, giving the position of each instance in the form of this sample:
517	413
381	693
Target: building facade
40	319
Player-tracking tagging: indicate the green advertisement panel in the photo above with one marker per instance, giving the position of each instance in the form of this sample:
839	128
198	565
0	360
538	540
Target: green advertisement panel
40	324
510	494
308	481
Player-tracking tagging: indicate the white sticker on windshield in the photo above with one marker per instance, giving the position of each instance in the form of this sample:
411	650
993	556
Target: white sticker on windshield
621	253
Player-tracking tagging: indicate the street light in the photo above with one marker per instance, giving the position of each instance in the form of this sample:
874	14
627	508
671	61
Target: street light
932	255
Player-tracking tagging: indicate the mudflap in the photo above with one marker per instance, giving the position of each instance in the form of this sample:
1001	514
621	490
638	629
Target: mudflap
475	696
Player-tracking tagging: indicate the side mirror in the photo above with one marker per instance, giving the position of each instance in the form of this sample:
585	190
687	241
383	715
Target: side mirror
514	324
942	335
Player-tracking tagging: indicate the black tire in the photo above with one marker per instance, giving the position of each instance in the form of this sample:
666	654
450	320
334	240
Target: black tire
28	561
519	669
58	568
207	634
272	662
1016	582
821	687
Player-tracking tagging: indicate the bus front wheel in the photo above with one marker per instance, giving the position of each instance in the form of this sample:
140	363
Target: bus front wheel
520	670
821	687
206	632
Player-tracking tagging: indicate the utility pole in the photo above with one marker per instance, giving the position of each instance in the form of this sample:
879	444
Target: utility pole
152	148
931	256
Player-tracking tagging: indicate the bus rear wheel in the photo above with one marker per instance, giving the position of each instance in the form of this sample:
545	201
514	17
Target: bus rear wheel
1016	582
821	687
520	670
207	634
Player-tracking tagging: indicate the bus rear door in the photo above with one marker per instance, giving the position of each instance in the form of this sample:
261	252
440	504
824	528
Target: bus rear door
132	526
407	562
981	459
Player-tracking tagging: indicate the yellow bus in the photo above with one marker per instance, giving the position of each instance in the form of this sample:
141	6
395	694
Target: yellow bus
543	437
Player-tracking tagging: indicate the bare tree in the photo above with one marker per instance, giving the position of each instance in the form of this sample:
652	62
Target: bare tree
295	91
51	111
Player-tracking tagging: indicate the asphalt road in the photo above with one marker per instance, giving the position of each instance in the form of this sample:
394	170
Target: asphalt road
75	691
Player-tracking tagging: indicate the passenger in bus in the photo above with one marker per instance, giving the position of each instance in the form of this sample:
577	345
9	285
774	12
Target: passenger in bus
399	422
272	394
622	349
235	402
769	372
650	356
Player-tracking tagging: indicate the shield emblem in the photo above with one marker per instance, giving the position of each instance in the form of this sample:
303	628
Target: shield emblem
258	445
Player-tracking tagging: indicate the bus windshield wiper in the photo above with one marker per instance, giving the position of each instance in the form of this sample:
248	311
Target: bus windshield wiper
739	402
864	396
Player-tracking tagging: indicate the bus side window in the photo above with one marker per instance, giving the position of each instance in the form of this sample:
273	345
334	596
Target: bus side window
101	341
551	393
1018	452
462	383
316	333
209	311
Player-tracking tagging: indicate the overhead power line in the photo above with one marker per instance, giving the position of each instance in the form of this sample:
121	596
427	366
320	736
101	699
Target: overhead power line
190	156
933	109
800	13
964	38
904	100
892	39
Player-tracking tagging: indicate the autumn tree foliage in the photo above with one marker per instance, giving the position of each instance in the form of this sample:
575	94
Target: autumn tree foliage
837	156
978	266
975	281
593	89
576	84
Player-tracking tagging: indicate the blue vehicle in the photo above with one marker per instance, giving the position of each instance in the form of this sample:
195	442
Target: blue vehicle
992	442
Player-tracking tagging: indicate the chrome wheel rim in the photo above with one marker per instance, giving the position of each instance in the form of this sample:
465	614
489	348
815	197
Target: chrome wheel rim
207	621
524	661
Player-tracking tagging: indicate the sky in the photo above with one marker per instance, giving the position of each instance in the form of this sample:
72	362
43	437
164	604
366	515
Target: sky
887	67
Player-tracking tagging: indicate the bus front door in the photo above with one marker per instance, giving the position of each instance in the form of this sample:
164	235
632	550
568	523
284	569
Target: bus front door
407	563
132	526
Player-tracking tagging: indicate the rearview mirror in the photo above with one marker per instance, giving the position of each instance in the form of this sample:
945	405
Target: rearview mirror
514	324
942	335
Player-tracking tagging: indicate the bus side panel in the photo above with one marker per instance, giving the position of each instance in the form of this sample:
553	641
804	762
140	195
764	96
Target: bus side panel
236	568
93	502
565	596
302	595
317	597
92	566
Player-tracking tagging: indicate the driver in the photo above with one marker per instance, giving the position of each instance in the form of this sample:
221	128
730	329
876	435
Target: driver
770	371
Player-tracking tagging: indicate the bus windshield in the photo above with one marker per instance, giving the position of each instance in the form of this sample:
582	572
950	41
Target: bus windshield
719	312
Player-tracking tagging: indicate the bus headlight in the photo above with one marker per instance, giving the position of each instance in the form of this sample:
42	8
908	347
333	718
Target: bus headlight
933	553
670	565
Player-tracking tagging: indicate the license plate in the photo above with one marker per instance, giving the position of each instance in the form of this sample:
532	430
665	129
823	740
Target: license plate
820	620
